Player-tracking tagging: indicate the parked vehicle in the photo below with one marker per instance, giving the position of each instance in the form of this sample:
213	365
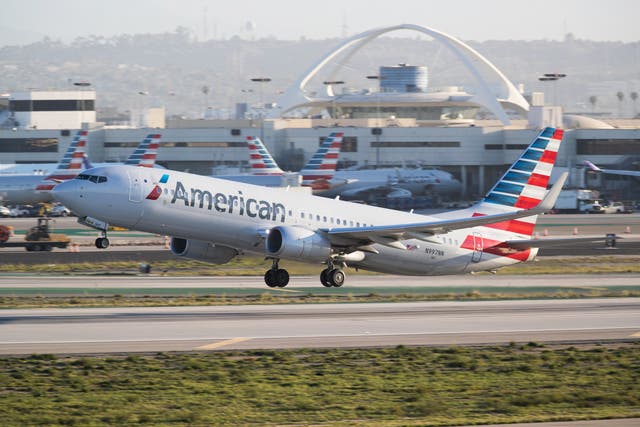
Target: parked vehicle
5	211
612	207
59	210
38	238
20	211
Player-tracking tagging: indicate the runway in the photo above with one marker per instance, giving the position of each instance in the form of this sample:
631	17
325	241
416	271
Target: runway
125	330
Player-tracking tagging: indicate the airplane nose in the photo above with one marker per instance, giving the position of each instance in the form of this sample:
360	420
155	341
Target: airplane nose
63	192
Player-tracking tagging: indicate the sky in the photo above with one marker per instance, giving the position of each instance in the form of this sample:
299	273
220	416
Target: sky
27	21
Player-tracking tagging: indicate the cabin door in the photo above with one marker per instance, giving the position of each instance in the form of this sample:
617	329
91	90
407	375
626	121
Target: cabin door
478	246
135	187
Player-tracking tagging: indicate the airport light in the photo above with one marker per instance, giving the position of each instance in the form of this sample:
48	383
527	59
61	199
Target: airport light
262	81
552	77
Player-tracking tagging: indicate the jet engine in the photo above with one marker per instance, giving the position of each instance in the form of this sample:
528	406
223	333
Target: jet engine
297	243
202	251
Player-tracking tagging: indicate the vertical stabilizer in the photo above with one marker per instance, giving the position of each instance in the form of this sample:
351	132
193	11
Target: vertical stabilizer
260	159
524	184
146	153
70	165
322	165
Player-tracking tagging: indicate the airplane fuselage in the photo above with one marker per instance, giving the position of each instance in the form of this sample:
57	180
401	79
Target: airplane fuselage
21	190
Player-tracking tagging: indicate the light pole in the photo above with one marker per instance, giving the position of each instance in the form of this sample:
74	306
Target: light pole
82	84
552	77
262	81
329	84
377	130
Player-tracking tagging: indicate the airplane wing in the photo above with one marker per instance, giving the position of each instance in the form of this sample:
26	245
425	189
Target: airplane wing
391	234
611	171
549	242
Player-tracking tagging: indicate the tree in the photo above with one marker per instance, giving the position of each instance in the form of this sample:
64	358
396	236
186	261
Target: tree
620	96
634	98
593	100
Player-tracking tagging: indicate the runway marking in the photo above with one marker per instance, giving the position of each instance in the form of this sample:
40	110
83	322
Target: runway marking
219	344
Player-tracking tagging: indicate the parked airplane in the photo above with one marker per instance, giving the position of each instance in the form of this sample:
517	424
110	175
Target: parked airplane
315	174
21	189
215	220
363	184
30	189
611	171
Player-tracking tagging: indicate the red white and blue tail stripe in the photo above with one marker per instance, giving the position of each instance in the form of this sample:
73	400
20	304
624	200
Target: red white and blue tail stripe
322	166
260	160
525	183
146	153
523	186
70	165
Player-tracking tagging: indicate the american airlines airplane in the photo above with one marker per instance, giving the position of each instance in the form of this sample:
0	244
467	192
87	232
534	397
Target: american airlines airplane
215	220
316	173
29	189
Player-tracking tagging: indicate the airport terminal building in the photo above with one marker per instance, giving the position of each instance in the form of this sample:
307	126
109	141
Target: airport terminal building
473	134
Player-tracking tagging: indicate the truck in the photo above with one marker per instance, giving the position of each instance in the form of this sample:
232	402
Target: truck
576	200
38	238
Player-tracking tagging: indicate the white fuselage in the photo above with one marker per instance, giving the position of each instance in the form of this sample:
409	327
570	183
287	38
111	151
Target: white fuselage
21	190
240	215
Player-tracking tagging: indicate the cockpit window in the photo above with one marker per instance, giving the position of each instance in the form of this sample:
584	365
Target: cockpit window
93	178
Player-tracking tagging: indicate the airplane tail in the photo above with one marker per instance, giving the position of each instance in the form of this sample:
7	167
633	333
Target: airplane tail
70	165
524	185
322	165
146	153
260	160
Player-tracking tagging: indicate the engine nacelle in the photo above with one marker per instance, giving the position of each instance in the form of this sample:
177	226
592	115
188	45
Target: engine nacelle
297	243
202	251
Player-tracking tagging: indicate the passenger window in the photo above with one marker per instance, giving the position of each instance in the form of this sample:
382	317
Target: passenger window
351	223
318	218
357	224
324	218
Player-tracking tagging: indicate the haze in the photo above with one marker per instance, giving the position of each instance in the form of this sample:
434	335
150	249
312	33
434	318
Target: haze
27	21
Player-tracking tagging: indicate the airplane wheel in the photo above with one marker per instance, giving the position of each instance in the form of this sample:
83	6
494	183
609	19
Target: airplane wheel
282	277
102	243
336	277
270	278
324	278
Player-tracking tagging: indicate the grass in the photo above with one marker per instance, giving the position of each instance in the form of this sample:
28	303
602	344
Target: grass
275	297
365	387
252	266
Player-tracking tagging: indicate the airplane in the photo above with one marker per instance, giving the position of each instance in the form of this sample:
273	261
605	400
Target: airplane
392	183
320	174
215	220
611	171
30	189
21	189
315	174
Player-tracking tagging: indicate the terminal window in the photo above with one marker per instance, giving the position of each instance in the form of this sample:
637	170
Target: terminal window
608	146
416	144
27	145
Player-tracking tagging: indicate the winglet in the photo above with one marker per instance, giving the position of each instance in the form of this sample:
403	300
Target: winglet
591	166
550	199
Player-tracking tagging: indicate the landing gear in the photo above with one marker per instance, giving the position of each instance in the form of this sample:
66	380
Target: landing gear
276	277
102	242
332	277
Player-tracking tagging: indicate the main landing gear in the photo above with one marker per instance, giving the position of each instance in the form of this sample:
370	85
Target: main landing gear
102	242
332	276
276	277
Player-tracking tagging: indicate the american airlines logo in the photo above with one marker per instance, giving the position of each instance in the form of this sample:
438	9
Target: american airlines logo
225	203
